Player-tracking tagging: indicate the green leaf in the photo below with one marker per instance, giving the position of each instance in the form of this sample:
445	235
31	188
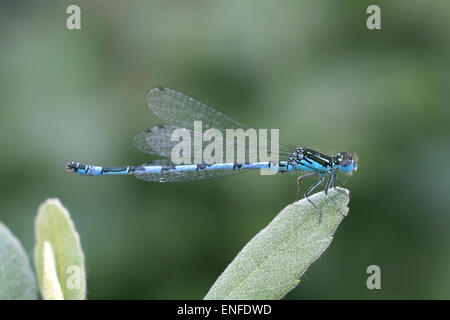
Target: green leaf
271	264
54	227
16	276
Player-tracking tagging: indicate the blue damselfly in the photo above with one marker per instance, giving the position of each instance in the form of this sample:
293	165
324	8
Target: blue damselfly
180	111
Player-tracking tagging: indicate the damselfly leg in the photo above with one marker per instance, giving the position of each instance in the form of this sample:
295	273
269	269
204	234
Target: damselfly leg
300	178
336	179
331	182
331	179
307	193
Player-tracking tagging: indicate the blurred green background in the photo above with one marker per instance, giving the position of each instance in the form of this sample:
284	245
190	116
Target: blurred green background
310	68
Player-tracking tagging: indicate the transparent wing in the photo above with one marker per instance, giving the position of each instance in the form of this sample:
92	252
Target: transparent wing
180	176
180	111
156	140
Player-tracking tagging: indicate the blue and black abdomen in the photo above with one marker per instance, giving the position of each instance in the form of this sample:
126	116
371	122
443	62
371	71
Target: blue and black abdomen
163	171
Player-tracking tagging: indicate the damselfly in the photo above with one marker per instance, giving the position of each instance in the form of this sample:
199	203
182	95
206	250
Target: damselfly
180	111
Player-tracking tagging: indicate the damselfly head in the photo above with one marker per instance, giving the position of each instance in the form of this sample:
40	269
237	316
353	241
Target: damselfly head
346	163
